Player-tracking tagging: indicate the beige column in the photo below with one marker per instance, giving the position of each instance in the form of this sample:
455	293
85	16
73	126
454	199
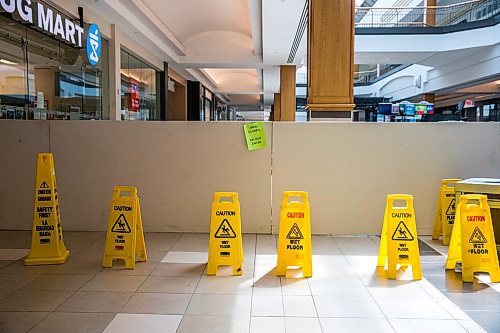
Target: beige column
177	102
288	98
429	97
277	107
330	64
430	15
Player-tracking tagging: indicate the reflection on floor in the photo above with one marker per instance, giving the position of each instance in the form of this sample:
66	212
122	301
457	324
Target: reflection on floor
171	292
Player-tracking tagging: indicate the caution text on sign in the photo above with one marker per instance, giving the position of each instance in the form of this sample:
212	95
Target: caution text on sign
398	241
445	210
294	242
479	252
225	246
125	236
47	245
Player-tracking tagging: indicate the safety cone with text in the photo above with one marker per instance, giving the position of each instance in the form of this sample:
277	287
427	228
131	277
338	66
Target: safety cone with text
225	245
125	235
47	245
294	242
398	241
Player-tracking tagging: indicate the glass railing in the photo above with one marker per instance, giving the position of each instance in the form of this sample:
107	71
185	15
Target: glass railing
438	16
373	73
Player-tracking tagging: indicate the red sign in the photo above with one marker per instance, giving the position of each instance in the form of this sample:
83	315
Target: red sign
134	96
469	103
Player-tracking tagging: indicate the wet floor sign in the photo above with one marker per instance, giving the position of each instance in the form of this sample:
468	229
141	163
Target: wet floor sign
445	210
455	248
125	236
398	241
294	243
479	252
225	246
47	245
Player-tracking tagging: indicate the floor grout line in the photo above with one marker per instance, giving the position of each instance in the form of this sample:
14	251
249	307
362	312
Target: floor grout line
359	277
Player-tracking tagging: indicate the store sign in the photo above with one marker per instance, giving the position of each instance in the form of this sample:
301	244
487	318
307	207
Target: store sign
93	44
46	19
469	103
135	104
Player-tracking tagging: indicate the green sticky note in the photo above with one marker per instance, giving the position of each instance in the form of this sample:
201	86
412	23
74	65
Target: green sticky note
255	136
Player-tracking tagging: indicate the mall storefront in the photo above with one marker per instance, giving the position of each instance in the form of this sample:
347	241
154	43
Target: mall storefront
54	66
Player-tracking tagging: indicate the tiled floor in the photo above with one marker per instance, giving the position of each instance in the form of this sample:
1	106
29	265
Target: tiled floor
171	293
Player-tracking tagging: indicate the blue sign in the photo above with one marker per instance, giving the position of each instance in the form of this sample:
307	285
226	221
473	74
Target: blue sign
93	44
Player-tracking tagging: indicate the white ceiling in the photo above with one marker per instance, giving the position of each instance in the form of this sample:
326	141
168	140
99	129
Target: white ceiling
235	47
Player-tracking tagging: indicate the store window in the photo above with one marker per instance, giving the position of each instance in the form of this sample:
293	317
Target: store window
44	78
140	95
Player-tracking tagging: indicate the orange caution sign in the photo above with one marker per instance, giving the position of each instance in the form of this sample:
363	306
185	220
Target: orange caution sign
47	245
125	236
479	252
294	243
445	210
225	248
398	241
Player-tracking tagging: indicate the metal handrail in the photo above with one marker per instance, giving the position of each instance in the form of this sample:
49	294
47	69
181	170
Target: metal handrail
439	16
428	7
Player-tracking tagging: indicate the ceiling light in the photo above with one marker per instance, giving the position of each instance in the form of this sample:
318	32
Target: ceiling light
7	62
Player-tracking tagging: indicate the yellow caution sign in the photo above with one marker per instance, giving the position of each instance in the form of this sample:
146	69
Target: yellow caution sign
125	236
47	245
398	241
479	252
455	248
294	243
225	246
445	210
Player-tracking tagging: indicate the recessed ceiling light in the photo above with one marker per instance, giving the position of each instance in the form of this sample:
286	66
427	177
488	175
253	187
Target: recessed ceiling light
7	62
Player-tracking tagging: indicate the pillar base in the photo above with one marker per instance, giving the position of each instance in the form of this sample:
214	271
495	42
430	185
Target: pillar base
341	112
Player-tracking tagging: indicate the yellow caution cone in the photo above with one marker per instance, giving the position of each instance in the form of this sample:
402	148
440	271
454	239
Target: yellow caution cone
47	245
294	242
479	252
445	210
398	241
125	235
225	246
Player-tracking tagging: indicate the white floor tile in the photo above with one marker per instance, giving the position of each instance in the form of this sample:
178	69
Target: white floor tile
13	254
267	306
267	325
186	257
299	306
356	325
267	285
213	324
295	287
143	323
343	306
411	307
225	285
426	325
300	325
220	305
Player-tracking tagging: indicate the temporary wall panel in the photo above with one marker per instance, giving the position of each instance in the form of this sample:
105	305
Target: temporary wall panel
347	168
176	167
